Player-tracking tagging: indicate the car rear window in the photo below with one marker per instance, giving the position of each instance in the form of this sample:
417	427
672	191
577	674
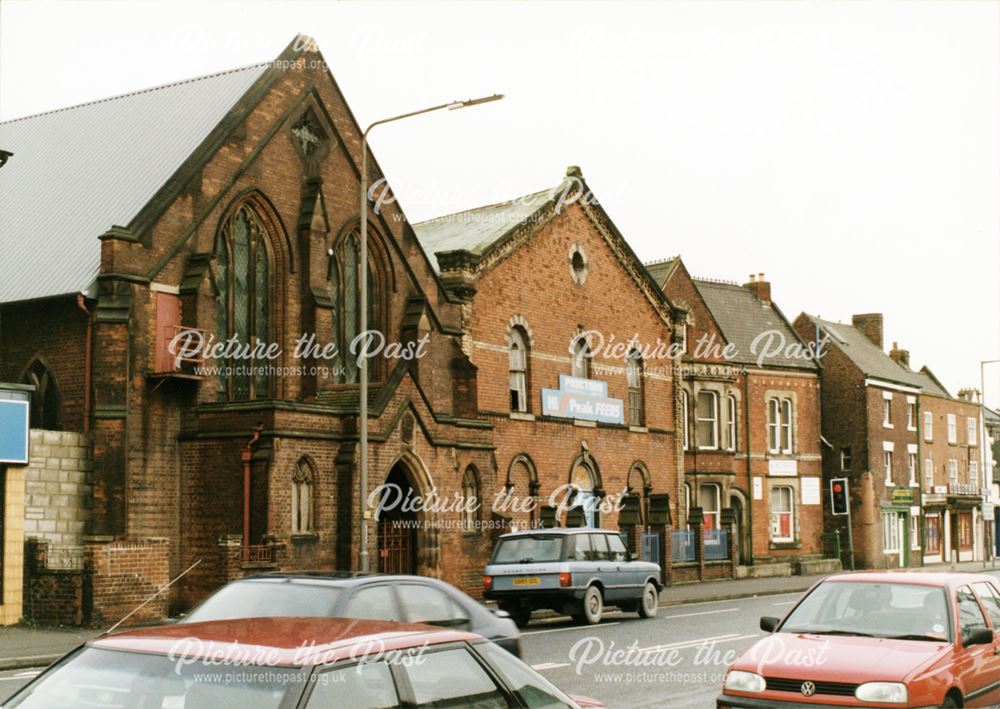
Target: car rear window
267	599
528	549
95	677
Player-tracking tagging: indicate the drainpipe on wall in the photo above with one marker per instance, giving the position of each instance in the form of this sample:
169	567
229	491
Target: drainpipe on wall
746	444
247	457
87	361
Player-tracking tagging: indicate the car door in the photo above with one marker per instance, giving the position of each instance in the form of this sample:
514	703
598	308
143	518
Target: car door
424	603
989	598
603	568
372	602
976	665
624	573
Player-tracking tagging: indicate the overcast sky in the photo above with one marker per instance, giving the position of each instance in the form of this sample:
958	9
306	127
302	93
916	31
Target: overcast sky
851	151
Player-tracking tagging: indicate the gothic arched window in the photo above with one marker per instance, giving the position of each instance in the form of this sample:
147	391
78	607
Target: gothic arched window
243	304
345	290
302	497
45	398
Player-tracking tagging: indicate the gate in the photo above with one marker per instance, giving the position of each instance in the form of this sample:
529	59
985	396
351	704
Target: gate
396	546
651	547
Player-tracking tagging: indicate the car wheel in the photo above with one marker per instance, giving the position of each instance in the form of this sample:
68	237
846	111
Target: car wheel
521	615
592	606
649	602
949	703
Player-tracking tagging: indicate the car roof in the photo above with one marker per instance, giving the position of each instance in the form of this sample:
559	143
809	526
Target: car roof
923	578
558	530
283	642
337	578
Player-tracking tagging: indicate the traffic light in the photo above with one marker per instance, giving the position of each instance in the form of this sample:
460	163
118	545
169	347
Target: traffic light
839	501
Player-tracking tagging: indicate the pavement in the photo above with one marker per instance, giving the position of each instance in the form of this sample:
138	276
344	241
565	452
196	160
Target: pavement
28	646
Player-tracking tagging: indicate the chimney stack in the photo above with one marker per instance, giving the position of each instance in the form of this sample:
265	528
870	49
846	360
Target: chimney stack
900	357
871	325
760	288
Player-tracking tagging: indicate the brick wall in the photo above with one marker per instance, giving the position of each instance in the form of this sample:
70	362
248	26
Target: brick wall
123	576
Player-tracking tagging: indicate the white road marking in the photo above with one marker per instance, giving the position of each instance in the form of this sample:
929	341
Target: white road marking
784	603
721	610
683	645
21	675
549	666
575	627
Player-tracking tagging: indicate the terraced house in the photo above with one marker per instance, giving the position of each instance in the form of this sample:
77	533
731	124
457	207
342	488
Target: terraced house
751	425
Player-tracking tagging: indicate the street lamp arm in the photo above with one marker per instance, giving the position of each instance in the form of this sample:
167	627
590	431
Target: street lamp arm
451	106
363	316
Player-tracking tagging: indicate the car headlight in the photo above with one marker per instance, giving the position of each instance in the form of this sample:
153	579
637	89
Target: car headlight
883	692
740	681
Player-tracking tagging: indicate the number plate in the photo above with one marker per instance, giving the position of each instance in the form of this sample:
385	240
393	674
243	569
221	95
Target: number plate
527	581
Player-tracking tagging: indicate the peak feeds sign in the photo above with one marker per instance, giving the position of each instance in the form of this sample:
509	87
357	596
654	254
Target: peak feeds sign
585	399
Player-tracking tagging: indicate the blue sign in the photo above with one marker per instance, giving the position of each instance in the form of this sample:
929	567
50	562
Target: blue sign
585	399
14	418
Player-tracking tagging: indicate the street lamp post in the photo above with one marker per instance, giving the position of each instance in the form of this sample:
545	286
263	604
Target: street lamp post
987	482
363	263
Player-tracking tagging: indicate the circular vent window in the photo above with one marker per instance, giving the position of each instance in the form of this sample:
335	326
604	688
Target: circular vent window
578	264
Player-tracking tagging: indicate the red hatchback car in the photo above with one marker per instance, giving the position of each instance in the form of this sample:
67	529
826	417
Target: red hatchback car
281	663
900	639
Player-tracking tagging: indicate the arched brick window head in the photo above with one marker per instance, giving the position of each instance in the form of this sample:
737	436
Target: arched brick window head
243	304
518	357
45	399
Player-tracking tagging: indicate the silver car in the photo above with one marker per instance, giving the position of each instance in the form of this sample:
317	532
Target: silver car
573	571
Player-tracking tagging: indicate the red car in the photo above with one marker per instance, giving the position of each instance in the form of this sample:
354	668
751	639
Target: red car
901	639
281	663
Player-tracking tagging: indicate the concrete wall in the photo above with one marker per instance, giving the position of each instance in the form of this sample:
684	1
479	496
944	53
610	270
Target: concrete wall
57	487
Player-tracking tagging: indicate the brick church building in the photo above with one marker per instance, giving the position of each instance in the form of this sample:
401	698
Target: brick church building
224	209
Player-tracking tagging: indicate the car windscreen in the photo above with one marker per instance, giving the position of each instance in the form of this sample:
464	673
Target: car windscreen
95	677
528	549
887	610
267	599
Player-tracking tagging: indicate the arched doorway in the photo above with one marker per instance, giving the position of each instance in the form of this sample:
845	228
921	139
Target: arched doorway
741	528
583	481
397	524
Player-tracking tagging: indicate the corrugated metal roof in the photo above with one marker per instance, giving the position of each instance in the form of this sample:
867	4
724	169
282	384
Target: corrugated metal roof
869	358
476	230
743	318
78	171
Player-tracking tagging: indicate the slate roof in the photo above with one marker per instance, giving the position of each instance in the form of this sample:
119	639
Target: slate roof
931	384
865	355
662	270
76	172
478	230
742	318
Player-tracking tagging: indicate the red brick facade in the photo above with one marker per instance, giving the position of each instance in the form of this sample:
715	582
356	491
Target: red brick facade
739	469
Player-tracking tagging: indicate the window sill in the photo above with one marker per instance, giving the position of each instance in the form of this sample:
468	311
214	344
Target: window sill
889	483
638	429
788	544
521	416
304	537
887	425
583	423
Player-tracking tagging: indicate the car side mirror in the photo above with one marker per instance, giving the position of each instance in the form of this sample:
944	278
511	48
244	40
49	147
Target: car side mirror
978	636
632	556
769	624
